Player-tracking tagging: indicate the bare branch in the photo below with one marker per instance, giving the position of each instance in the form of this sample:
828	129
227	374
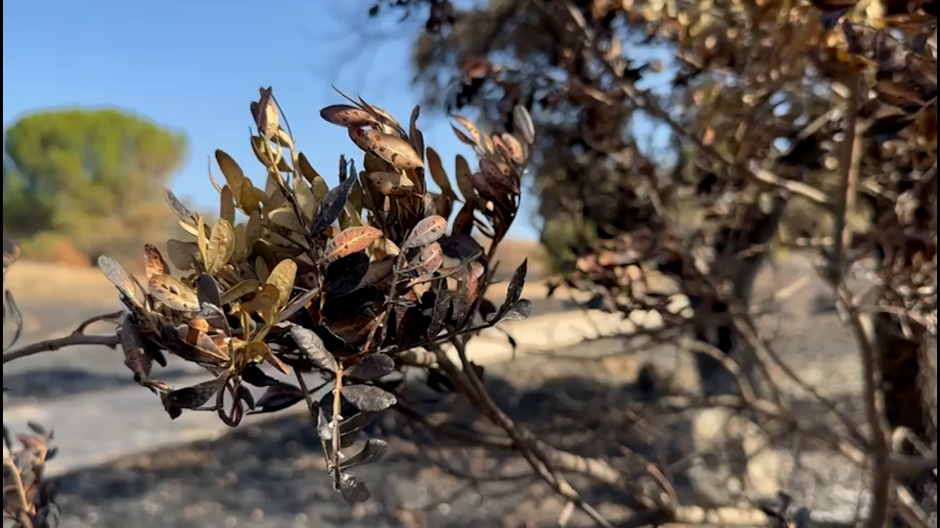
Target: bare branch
62	342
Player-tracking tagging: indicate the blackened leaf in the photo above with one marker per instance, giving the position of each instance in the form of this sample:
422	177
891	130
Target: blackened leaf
245	395
48	516
37	428
171	409
478	370
279	397
52	453
372	367
253	375
356	422
514	291
353	489
311	345
332	341
348	439
462	247
195	396
331	206
346	273
439	381
208	290
462	301
136	356
517	312
12	311
373	450
487	309
411	326
442	305
368	398
171	339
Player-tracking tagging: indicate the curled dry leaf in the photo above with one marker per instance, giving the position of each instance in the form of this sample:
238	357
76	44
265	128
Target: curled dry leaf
195	396
173	293
518	311
523	123
221	246
282	277
182	254
345	274
392	183
377	271
136	356
234	176
395	151
463	137
425	232
278	397
267	156
348	116
227	204
464	179
349	241
477	137
373	450
331	206
353	489
312	346
514	291
496	178
240	290
372	367
122	280
257	351
180	210
154	264
207	290
438	174
428	260
253	229
265	113
514	148
265	302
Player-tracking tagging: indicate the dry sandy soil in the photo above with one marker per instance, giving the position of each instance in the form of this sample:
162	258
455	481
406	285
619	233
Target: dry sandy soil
271	475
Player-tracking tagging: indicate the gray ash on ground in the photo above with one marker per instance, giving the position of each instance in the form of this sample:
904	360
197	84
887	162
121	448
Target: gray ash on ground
271	474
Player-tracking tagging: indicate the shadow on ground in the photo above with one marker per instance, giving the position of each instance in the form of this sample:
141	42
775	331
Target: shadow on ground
59	382
272	474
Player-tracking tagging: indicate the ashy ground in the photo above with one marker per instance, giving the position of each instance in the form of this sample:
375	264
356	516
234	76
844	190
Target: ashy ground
270	474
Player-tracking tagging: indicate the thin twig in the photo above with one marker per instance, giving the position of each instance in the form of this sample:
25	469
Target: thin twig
62	342
18	483
521	438
103	317
874	410
851	156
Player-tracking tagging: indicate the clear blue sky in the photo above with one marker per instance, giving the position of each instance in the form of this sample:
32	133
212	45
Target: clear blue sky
194	66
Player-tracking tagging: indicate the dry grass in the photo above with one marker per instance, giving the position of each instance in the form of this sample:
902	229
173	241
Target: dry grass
37	282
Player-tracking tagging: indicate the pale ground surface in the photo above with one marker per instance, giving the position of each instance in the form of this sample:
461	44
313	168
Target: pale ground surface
270	474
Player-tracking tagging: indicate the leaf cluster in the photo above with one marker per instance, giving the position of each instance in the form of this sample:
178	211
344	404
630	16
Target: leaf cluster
340	282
